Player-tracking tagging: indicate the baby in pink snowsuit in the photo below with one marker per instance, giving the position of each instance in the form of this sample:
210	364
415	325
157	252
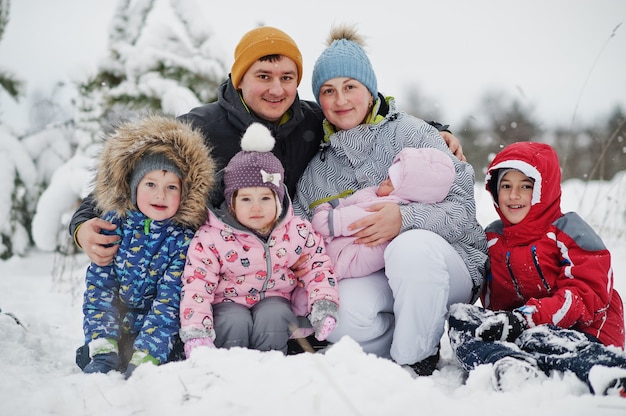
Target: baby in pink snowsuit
416	175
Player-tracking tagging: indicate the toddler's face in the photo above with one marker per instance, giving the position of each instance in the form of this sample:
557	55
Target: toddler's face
255	207
158	194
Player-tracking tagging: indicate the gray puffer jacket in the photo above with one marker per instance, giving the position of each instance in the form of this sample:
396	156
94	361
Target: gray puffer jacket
360	157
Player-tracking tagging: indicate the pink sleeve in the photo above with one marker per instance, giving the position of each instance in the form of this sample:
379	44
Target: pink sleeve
320	219
200	279
320	281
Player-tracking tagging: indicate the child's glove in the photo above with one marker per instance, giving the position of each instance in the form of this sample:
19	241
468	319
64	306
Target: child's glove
193	343
502	326
104	356
323	318
320	219
138	358
103	363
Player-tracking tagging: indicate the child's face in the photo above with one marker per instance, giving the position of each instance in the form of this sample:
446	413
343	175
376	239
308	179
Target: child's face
385	187
515	195
158	194
255	208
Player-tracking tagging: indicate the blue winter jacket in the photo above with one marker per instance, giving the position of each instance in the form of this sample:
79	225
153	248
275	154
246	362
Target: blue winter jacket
138	294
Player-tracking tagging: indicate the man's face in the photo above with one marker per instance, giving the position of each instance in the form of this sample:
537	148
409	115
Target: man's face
270	88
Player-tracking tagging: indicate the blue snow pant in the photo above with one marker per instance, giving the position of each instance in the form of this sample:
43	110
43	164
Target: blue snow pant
265	326
549	347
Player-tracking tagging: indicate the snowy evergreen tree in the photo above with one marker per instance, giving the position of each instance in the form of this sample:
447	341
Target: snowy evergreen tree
17	170
160	59
8	82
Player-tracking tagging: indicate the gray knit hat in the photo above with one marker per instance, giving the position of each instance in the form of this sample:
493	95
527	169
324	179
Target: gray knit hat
148	163
345	57
254	165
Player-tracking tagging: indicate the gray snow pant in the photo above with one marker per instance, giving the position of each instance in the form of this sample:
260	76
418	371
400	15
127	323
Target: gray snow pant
264	327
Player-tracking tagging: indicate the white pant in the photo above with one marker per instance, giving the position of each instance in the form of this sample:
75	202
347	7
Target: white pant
425	275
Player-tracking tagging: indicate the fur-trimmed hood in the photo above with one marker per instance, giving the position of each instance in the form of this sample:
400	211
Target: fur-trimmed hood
162	135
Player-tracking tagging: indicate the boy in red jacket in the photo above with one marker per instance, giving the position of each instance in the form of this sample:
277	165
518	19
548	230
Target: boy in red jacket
549	298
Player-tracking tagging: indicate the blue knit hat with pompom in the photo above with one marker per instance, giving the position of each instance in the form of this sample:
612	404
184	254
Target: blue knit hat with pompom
345	57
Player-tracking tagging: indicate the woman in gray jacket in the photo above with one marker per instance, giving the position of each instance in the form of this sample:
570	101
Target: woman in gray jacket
438	253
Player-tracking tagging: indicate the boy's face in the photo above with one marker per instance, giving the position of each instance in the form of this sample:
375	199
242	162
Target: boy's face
385	188
270	88
255	208
158	194
515	195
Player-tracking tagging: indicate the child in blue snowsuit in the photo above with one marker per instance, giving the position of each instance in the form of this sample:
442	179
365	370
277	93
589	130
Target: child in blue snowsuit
152	181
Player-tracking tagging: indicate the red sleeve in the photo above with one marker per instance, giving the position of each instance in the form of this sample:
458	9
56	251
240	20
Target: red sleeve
583	285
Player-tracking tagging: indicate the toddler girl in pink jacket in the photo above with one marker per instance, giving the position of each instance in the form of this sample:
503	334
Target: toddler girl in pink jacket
416	175
237	282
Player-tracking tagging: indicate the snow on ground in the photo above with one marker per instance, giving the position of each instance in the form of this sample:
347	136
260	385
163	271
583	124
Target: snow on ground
38	375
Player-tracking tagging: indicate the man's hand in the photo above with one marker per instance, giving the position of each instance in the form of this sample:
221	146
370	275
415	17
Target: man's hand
383	225
96	245
454	144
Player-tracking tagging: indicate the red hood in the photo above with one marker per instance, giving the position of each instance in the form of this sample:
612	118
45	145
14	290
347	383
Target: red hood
540	162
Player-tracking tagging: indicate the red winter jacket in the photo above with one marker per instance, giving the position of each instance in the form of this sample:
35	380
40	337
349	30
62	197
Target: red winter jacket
554	264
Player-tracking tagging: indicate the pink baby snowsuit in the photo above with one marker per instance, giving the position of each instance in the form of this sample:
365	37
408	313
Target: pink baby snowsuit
426	176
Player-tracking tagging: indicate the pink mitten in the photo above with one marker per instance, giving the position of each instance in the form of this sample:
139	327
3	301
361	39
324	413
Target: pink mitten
325	327
320	219
323	317
193	343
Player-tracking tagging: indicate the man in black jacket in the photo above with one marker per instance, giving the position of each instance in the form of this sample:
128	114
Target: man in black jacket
262	88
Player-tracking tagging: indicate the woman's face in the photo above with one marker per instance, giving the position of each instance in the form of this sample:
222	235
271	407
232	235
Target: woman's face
345	102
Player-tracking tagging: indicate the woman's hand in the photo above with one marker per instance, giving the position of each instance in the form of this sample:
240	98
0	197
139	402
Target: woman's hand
383	225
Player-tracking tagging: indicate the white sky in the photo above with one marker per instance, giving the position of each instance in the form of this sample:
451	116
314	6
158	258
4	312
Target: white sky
557	56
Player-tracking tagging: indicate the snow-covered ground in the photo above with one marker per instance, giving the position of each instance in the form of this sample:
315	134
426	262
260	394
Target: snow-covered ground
38	375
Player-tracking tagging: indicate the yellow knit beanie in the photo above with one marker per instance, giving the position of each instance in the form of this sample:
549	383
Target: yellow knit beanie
261	42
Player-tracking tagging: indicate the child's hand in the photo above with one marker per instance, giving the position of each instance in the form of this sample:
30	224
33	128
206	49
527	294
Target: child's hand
502	326
193	343
324	327
319	222
323	317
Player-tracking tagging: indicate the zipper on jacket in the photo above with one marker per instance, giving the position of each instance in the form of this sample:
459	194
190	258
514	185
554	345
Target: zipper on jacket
146	226
513	279
268	261
533	250
323	148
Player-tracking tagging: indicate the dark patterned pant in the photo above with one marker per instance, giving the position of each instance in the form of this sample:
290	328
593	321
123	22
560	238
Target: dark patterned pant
549	347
